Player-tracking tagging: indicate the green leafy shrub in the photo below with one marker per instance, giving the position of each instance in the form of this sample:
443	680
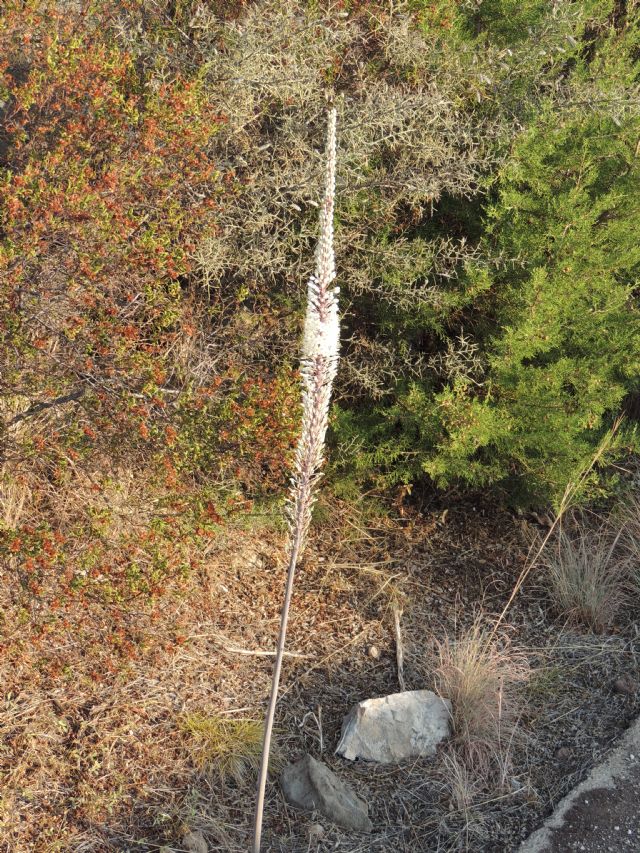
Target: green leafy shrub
107	184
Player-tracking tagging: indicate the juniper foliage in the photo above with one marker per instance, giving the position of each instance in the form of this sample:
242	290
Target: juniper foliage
542	352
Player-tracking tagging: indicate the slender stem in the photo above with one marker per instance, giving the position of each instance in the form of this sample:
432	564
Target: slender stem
268	725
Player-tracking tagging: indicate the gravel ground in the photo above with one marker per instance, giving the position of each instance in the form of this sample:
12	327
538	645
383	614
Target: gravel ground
581	697
101	762
602	814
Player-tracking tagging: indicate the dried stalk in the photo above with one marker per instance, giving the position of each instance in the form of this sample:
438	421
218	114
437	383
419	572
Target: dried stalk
397	616
572	489
319	363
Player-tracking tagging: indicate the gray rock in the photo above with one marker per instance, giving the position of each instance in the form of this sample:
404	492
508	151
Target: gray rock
194	842
309	784
625	685
396	727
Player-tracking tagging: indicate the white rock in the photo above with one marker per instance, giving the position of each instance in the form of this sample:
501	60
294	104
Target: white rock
316	830
396	727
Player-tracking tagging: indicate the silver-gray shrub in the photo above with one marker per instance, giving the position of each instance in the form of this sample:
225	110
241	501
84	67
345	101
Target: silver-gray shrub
424	116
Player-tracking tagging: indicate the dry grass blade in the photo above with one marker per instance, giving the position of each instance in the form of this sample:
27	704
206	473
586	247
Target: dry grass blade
630	539
462	783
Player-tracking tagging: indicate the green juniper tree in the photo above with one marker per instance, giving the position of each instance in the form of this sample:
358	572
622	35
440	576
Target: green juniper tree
550	347
528	355
565	351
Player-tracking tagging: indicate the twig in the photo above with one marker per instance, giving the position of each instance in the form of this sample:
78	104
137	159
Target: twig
260	653
318	721
36	408
397	615
320	728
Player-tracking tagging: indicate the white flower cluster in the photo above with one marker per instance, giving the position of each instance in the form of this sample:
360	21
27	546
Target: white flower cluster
320	353
322	326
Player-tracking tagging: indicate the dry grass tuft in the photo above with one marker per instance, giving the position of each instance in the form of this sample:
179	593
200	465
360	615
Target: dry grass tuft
587	574
462	783
482	674
231	747
630	539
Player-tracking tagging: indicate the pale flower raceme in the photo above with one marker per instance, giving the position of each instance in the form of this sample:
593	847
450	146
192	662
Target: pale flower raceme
320	353
319	363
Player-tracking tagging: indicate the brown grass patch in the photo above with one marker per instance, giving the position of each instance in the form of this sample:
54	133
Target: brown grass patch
587	574
482	674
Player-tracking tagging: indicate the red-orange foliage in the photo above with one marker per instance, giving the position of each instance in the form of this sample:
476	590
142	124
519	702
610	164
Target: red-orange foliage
106	188
108	180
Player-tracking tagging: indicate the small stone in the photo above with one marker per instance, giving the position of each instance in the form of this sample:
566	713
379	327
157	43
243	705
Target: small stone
194	842
563	754
311	785
316	831
625	685
396	727
373	652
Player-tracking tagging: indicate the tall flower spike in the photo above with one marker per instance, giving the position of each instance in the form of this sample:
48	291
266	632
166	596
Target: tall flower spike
319	364
320	353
